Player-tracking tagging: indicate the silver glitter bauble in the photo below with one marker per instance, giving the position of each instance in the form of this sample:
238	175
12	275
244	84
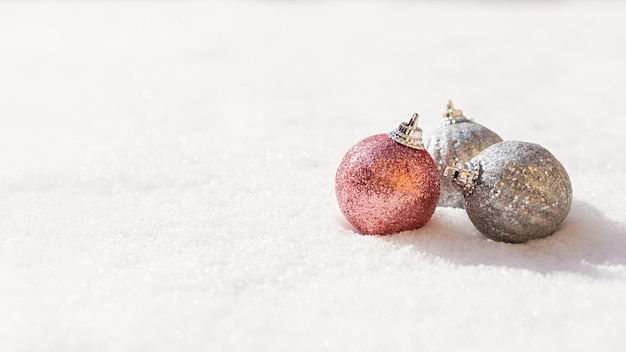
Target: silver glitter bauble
457	139
514	191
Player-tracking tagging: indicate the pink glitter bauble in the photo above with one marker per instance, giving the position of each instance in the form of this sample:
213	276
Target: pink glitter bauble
385	187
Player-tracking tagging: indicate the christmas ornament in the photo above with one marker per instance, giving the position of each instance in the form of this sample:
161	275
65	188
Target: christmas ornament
514	191
388	183
457	139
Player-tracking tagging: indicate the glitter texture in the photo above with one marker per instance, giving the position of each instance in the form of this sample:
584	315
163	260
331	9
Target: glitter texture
522	192
384	187
452	143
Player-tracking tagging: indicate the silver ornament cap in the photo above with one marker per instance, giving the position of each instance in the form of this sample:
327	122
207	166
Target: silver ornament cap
453	115
464	176
408	134
514	191
456	141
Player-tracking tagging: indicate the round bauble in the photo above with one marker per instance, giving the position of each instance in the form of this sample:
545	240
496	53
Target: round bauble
514	191
388	183
457	139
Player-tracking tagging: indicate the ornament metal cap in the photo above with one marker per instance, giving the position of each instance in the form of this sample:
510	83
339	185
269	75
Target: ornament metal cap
408	134
465	176
453	115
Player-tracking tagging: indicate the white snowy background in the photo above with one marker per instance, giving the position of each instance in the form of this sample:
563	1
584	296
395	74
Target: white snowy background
167	175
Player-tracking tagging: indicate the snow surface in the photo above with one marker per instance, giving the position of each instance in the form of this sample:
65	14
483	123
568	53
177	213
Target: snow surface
167	179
